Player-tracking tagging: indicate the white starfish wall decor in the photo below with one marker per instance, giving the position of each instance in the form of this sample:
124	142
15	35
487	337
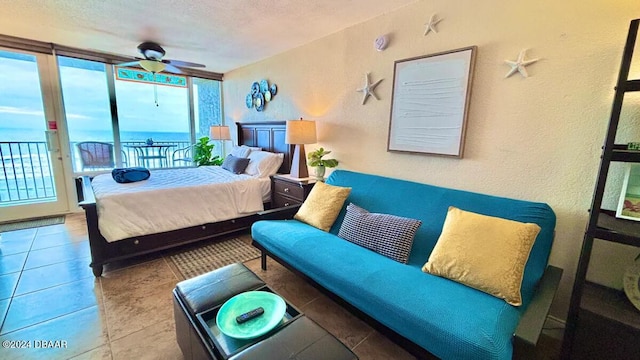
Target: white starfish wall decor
367	89
431	25
520	64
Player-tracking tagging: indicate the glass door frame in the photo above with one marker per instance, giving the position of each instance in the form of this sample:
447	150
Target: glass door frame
59	160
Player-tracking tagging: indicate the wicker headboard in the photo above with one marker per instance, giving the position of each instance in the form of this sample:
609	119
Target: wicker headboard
270	136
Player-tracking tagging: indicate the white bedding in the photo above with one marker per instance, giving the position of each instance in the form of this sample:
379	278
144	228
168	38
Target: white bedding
174	199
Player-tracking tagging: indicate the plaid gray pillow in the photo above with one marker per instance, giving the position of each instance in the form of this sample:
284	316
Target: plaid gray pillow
388	235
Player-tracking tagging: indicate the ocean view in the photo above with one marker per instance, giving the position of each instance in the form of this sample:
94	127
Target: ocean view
94	135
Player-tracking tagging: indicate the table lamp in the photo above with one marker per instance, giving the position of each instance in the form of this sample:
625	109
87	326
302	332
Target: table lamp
220	132
298	133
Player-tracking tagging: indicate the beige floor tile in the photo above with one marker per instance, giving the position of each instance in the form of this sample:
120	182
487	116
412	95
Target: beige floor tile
8	284
18	235
133	261
101	353
133	309
52	275
57	254
12	263
82	330
157	341
378	347
63	238
139	276
36	307
338	321
52	229
289	285
14	246
4	306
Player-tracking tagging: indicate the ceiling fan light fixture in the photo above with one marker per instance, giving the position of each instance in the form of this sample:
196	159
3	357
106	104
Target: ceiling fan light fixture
152	66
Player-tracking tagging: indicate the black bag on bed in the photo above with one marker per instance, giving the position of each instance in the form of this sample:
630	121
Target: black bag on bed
132	174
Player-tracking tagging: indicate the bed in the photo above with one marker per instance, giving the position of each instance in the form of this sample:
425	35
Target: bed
269	136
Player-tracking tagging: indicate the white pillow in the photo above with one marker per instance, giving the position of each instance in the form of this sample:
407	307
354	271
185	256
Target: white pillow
240	152
243	151
263	163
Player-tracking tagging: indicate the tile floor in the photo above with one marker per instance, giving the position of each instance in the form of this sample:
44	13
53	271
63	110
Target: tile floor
48	294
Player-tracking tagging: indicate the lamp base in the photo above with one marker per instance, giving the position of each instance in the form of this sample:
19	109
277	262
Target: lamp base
299	163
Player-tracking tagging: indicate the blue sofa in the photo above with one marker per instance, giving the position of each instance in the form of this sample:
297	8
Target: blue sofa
443	317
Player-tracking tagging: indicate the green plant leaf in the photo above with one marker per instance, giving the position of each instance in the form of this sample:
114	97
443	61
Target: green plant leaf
315	158
202	154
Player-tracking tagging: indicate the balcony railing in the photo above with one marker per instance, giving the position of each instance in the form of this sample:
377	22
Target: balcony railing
27	176
26	173
176	154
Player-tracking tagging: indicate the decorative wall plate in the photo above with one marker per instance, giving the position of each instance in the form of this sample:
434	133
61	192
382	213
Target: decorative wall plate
261	93
264	86
259	100
631	281
255	88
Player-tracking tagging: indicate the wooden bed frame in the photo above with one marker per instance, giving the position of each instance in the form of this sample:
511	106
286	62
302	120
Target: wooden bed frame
270	136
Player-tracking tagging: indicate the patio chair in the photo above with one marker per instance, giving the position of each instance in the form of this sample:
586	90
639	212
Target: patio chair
97	155
182	155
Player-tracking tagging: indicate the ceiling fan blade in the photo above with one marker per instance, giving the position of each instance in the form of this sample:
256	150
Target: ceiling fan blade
182	63
172	69
132	63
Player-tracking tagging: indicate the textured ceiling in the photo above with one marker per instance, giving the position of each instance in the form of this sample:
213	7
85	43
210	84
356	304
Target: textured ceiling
223	35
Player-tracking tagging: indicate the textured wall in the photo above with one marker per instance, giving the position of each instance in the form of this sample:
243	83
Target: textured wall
537	138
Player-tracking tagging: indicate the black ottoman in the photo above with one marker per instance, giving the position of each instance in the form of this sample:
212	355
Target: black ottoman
300	339
202	293
303	339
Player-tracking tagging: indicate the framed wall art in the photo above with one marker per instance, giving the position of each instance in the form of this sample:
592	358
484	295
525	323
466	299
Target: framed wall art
629	204
430	102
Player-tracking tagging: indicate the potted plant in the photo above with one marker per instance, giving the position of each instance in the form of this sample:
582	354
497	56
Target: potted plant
316	160
202	153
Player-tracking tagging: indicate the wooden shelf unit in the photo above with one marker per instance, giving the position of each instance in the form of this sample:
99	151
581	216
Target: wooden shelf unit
602	323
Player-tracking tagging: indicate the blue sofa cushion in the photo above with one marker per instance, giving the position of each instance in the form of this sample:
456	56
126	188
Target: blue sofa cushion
388	235
450	320
430	203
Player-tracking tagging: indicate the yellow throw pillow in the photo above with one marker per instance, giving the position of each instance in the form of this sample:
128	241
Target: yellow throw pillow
484	252
322	206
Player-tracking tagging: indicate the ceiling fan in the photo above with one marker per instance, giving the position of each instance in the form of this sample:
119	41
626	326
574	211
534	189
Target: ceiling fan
153	61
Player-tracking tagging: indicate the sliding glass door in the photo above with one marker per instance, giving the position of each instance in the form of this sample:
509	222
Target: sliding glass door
31	176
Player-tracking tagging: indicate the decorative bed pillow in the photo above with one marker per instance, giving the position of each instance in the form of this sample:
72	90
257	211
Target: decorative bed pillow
388	235
263	163
484	252
322	206
128	175
234	164
243	151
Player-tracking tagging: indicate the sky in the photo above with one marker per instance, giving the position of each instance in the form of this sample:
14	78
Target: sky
86	101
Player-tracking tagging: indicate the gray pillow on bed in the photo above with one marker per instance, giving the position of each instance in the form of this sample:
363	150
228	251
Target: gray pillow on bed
234	164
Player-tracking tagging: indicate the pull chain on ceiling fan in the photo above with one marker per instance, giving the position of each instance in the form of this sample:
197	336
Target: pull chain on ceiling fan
153	63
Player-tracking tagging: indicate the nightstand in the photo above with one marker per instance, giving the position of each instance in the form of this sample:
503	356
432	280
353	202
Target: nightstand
287	191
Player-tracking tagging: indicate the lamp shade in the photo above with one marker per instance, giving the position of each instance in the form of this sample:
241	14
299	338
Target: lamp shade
301	132
220	133
152	66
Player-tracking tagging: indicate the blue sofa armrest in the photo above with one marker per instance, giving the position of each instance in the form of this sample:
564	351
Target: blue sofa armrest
283	213
531	323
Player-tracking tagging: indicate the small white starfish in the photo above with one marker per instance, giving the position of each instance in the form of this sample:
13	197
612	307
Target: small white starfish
368	88
431	25
520	64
